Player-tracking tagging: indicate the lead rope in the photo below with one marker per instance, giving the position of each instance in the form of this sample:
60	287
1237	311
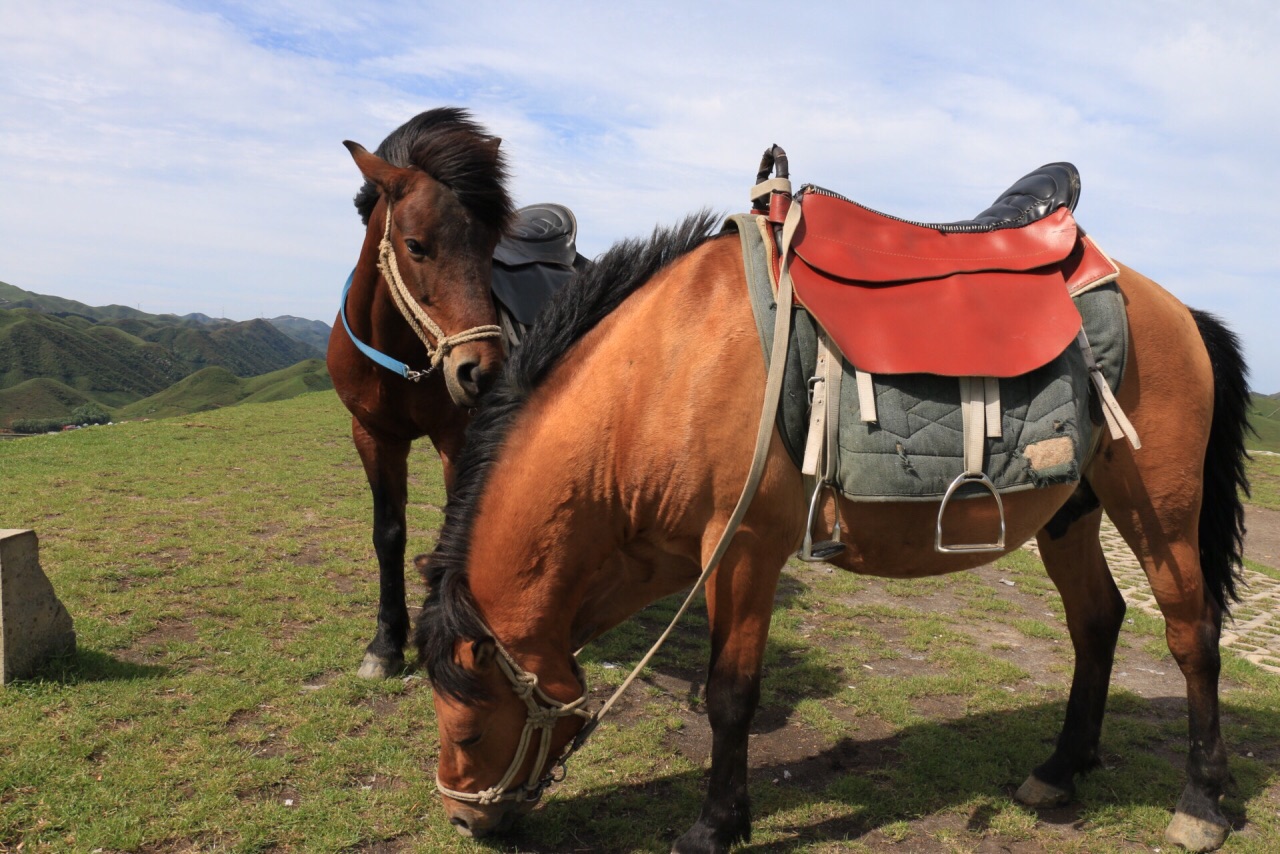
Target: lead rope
525	684
416	316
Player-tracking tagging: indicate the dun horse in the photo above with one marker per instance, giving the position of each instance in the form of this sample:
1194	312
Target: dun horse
435	197
605	465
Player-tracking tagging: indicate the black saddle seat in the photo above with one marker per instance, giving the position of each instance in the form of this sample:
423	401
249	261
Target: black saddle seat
537	256
543	234
1032	197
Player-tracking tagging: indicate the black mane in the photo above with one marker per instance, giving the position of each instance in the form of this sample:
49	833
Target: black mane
449	612
451	147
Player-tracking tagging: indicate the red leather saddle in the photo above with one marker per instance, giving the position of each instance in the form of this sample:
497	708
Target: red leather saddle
985	297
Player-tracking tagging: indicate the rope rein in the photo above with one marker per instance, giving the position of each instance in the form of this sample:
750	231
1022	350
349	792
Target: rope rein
525	684
416	316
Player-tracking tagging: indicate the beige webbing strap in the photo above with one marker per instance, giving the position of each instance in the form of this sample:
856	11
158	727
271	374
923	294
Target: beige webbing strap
1118	423
991	391
769	412
973	412
773	185
866	397
817	412
824	409
835	373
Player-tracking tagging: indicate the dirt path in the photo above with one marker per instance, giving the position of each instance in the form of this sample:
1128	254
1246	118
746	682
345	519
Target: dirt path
1262	541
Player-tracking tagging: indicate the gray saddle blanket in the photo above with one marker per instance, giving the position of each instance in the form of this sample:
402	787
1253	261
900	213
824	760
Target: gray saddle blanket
915	449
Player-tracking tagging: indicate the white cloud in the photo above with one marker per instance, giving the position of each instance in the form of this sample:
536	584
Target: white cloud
186	156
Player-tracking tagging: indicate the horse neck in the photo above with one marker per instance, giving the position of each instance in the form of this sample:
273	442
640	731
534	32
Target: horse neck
608	467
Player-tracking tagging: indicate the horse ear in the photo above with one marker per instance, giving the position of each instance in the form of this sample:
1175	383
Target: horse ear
373	167
482	652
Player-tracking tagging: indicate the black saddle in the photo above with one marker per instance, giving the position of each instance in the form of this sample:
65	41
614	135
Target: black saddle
1032	197
535	259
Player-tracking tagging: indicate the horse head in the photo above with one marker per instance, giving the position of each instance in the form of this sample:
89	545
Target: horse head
435	255
504	737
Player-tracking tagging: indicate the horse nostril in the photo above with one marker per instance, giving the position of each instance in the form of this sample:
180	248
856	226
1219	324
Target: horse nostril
460	823
474	380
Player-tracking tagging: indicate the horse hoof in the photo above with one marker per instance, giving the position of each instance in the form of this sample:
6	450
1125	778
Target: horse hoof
1040	795
1195	834
375	667
1197	824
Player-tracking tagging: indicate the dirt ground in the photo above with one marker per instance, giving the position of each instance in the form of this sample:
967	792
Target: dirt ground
1262	540
785	752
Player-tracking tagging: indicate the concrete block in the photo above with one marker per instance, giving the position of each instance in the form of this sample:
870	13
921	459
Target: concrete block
34	625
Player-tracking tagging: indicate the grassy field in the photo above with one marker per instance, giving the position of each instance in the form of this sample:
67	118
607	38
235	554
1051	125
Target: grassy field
1264	480
220	574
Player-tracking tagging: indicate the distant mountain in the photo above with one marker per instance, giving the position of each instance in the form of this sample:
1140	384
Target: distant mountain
57	354
14	297
102	362
311	332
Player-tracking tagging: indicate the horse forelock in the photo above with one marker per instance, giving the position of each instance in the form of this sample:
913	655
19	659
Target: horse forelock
453	148
449	612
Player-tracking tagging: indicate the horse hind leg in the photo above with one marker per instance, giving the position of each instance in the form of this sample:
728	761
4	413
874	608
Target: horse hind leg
1177	504
1193	625
1073	557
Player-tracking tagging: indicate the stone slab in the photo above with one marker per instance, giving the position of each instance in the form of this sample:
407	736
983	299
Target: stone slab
34	624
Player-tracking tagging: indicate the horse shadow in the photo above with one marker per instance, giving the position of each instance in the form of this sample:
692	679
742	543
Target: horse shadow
680	667
929	768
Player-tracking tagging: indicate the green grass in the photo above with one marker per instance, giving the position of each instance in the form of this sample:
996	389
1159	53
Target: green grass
221	576
1264	481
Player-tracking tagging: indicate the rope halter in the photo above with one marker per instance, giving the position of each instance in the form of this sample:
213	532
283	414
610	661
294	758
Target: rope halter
544	713
416	316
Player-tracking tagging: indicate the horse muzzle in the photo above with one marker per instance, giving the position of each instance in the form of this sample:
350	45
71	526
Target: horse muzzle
469	371
476	820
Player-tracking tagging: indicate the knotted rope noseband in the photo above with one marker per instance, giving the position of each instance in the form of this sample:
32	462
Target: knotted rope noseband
416	316
544	713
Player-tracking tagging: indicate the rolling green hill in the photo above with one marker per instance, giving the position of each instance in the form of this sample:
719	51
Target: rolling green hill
214	388
40	398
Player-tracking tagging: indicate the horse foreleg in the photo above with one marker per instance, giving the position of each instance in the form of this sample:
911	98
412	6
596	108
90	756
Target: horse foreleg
386	464
1072	554
739	606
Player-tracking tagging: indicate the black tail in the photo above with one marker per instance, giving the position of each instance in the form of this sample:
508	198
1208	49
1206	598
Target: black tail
1225	478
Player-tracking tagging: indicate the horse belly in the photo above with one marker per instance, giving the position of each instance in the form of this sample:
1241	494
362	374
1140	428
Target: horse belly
896	539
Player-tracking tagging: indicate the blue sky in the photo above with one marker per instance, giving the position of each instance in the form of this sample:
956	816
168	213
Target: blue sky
186	156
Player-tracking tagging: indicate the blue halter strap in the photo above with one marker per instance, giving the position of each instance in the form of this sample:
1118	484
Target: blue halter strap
393	365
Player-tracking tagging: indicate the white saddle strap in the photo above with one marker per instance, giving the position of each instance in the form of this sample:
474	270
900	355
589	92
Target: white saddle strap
1118	423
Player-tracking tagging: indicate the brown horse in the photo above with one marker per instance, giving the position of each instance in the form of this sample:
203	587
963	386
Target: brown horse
436	194
605	464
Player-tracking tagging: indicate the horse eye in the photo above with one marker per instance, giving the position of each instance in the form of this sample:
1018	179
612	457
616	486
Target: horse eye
469	741
415	248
